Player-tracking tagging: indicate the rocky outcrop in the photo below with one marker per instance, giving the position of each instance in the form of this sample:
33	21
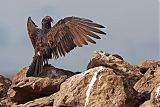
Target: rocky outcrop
109	81
116	62
24	89
99	87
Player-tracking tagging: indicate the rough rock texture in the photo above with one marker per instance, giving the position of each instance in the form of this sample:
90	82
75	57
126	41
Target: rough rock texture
148	84
4	86
108	82
99	87
24	89
154	99
116	62
148	65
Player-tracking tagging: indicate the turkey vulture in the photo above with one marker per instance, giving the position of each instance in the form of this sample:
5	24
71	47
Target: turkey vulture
52	42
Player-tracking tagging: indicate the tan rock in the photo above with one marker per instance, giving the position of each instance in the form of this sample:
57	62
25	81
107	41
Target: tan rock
97	87
41	102
148	84
108	82
148	65
24	89
148	104
155	95
154	99
149	81
4	86
115	62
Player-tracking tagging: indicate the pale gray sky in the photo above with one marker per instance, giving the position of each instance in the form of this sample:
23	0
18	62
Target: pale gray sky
131	26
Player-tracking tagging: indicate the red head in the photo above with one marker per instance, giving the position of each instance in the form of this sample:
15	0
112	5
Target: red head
48	18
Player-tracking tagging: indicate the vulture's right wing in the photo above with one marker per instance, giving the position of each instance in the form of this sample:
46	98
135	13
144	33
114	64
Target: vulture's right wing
32	31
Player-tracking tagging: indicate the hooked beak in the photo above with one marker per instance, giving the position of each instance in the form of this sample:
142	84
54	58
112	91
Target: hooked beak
52	21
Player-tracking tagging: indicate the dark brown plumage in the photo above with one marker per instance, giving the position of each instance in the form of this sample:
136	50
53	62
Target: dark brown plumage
52	42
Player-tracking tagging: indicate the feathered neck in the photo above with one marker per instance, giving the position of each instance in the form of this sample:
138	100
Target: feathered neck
46	26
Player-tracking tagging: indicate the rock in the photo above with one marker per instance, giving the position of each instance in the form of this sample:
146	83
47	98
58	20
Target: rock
148	64
40	102
154	99
24	89
100	58
4	85
116	62
108	82
148	104
155	95
98	86
148	82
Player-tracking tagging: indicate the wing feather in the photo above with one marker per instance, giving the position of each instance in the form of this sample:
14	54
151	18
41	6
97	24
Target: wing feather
87	37
76	40
81	36
71	32
91	28
32	31
89	33
91	24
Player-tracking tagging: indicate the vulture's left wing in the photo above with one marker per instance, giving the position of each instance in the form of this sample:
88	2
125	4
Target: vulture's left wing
71	32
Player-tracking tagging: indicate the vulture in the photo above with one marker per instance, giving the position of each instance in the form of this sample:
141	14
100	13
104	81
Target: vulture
58	40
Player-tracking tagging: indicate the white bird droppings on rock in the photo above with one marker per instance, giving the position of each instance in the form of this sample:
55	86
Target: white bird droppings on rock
100	77
90	88
101	68
93	80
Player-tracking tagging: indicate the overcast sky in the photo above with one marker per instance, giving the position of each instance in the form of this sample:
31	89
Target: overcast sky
131	26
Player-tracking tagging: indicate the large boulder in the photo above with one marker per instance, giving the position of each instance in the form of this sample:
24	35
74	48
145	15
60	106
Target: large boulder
99	87
24	89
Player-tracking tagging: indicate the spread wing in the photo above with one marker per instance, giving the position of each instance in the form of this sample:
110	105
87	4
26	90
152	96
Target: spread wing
32	31
71	32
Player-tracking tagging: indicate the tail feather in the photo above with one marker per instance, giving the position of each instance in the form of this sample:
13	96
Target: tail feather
36	66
